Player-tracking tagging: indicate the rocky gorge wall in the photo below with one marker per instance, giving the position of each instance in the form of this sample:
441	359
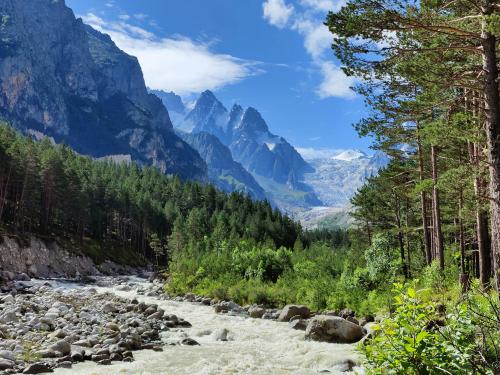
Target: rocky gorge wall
46	259
38	258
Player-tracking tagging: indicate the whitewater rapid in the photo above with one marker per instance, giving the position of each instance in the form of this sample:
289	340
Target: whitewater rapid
255	346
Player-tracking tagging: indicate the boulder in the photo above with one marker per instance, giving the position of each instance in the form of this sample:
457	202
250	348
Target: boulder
227	306
7	354
346	366
22	277
61	346
334	329
289	311
60	334
8	299
6	364
109	308
331	313
189	342
8	317
156	315
256	312
221	334
37	368
352	320
367	319
65	364
299	324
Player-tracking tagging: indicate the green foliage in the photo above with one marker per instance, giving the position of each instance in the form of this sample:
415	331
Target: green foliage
418	339
382	260
319	276
260	263
52	191
439	281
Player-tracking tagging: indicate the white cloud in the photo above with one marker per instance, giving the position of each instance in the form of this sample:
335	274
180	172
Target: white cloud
323	5
124	17
277	12
335	82
317	37
175	64
317	41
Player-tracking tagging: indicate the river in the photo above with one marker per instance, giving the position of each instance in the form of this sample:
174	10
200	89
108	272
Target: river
255	346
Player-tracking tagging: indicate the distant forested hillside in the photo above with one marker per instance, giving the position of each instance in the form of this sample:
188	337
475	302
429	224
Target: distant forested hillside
52	191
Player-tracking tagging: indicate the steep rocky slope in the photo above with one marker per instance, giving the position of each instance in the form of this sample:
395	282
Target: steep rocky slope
223	171
248	137
62	79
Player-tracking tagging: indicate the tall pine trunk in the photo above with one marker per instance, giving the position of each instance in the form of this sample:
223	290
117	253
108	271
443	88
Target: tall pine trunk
483	237
464	277
492	111
423	204
436	211
397	216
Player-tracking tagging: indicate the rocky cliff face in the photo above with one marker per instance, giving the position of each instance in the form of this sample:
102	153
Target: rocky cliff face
209	115
61	78
248	137
47	258
223	171
175	106
41	259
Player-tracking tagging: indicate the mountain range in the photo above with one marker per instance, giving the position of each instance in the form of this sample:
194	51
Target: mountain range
62	79
311	185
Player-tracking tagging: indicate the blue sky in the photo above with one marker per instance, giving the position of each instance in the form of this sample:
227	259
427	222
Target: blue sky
273	55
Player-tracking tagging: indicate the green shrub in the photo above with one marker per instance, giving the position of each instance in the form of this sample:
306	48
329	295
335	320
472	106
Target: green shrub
382	260
418	340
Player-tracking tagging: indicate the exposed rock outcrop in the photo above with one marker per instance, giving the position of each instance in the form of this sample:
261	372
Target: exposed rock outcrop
39	258
61	78
223	171
43	259
248	137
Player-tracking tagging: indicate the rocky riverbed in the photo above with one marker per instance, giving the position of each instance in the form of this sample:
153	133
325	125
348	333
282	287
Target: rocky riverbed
127	326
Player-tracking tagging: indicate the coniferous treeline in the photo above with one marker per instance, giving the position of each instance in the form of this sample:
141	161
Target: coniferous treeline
53	191
429	73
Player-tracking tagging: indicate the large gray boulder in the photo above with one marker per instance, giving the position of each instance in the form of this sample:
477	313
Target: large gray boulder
6	364
334	329
256	312
37	368
61	346
289	311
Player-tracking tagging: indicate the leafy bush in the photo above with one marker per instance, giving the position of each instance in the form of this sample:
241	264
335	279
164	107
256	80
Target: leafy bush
261	263
418	340
382	260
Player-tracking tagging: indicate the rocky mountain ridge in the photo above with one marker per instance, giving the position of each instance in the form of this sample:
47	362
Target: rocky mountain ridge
65	80
307	184
247	135
223	171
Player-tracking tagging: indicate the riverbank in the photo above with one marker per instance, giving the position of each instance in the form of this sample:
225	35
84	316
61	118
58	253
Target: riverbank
229	343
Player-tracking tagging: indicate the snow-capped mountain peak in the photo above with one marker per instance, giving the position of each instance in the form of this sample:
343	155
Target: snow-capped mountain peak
339	173
349	155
